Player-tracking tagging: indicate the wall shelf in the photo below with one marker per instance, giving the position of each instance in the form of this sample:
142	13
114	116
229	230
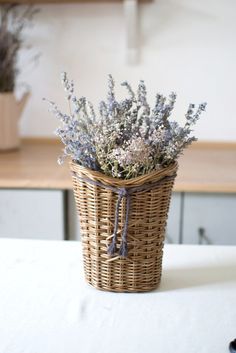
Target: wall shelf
65	1
131	13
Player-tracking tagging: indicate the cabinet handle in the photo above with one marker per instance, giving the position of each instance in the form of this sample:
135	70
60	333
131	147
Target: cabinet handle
202	237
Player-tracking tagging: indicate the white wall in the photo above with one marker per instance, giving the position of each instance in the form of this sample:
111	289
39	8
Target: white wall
185	45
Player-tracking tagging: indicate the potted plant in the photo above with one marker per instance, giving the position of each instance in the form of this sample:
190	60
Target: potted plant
123	165
13	20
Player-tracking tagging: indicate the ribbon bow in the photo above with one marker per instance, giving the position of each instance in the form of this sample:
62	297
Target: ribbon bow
123	251
122	193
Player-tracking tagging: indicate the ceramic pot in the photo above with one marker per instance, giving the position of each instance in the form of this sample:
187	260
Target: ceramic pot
10	112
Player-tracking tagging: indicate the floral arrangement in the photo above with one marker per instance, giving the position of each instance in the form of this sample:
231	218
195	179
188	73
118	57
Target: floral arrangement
14	18
127	138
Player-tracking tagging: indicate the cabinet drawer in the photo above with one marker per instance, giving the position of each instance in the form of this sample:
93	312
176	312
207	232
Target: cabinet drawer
73	217
209	219
173	223
36	214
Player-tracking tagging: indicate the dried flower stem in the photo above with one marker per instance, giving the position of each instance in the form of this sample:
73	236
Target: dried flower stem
127	139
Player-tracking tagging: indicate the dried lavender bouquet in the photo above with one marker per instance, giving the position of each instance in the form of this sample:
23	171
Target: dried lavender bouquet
127	138
14	19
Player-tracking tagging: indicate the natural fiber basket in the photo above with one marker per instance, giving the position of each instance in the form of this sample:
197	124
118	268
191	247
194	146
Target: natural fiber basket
96	200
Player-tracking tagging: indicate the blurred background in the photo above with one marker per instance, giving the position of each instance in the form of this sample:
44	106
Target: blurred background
174	45
182	45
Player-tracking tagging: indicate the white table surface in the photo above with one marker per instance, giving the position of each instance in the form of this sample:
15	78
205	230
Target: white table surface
46	306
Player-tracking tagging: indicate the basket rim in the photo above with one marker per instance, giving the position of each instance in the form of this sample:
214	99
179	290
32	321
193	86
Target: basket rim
108	180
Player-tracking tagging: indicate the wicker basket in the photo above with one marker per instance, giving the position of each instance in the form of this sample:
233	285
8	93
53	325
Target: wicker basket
97	204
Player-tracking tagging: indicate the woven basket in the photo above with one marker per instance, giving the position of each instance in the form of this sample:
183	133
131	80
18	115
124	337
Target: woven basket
96	205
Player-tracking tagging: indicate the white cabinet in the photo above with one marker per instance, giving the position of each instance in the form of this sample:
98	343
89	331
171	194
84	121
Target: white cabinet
209	219
194	218
174	219
36	214
73	218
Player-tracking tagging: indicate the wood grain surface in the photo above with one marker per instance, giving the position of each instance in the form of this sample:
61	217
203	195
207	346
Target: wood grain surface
204	167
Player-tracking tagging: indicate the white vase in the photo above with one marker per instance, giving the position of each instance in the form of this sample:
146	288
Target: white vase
10	112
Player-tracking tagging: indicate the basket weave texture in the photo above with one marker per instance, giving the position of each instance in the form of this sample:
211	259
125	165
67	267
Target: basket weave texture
96	206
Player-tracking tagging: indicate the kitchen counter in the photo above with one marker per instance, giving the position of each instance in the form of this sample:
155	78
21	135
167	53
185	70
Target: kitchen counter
34	165
204	167
46	306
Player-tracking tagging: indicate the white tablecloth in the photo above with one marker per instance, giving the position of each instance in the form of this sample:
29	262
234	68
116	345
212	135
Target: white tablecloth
46	306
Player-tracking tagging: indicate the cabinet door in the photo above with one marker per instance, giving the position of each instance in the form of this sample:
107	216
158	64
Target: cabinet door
74	228
36	214
209	219
173	223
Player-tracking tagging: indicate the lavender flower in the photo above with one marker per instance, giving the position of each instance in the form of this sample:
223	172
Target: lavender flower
129	89
126	139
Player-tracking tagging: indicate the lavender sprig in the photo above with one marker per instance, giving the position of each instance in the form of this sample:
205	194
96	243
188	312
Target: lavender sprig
126	139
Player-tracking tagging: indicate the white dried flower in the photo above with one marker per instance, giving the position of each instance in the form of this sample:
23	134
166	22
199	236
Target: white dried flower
126	139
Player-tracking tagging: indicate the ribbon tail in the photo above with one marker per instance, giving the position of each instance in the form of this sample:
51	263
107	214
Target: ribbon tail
112	248
123	251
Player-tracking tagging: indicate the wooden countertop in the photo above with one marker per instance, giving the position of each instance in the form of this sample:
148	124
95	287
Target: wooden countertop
208	167
204	167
